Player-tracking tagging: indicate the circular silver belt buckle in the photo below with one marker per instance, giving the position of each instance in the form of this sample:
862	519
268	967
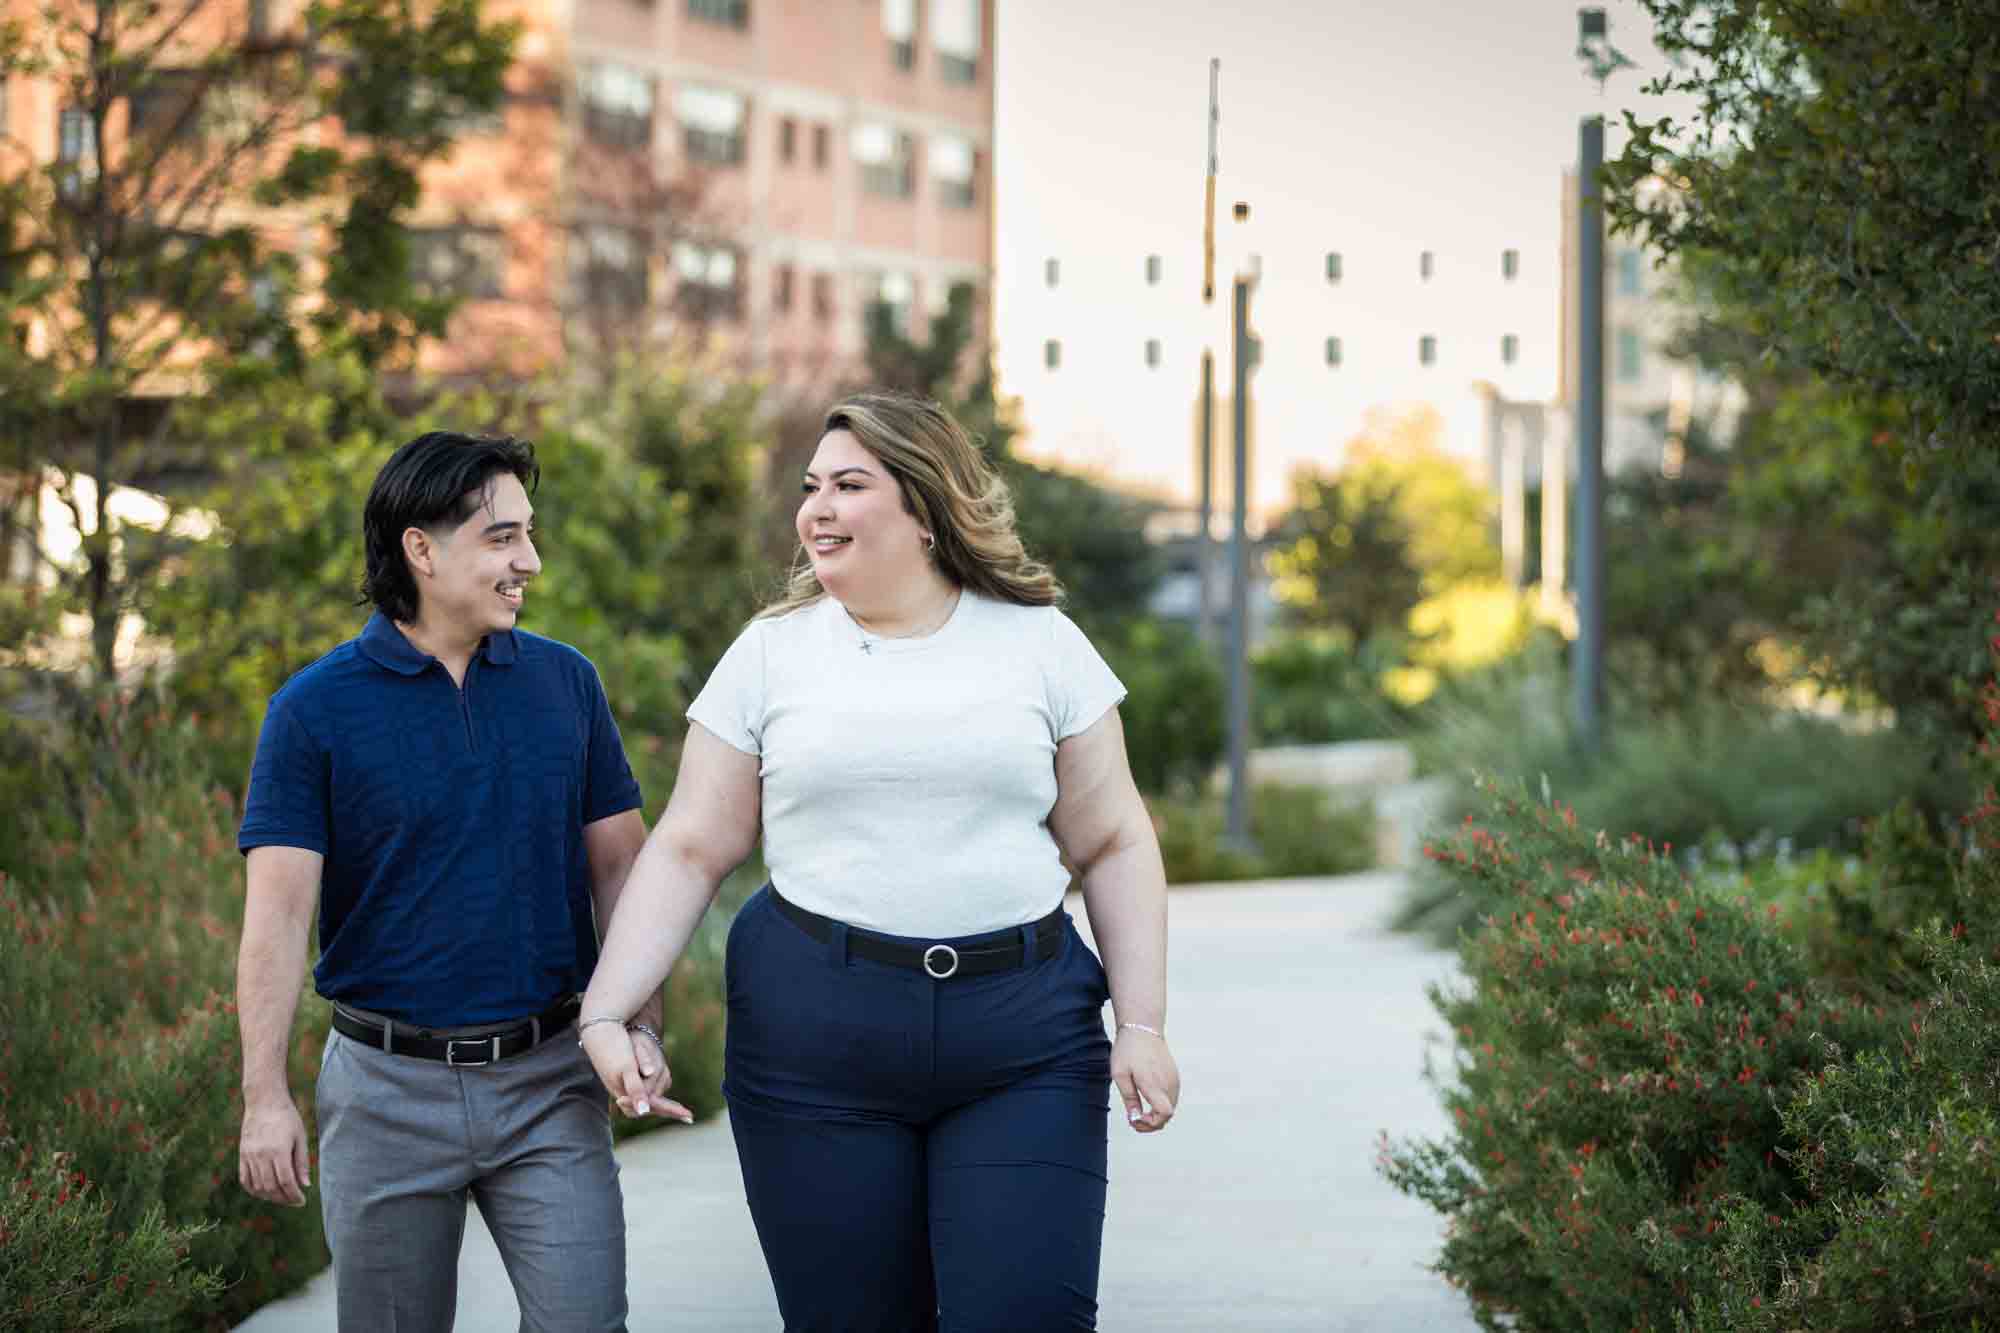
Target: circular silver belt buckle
950	965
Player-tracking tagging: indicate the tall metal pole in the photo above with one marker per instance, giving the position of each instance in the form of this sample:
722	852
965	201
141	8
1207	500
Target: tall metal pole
1204	545
1237	832
1588	681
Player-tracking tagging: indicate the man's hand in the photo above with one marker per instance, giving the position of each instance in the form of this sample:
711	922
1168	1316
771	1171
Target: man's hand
271	1158
633	1070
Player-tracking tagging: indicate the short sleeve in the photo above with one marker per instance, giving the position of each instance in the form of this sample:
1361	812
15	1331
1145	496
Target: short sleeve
609	787
731	704
287	803
1082	687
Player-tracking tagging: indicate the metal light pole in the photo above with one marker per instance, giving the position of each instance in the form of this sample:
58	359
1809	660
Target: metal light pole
1204	545
1588	678
1237	832
1602	59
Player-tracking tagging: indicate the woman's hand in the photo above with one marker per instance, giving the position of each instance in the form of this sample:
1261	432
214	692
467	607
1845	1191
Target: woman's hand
1146	1077
633	1070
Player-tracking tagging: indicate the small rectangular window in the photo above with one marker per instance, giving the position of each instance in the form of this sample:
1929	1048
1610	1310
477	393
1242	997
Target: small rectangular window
727	13
788	139
1510	349
1630	356
955	31
1510	264
822	296
1153	352
1052	272
954	166
610	264
1333	266
457	261
712	121
1152	270
1631	275
887	159
1333	351
1426	265
822	151
1052	354
781	289
1427	350
705	281
617	105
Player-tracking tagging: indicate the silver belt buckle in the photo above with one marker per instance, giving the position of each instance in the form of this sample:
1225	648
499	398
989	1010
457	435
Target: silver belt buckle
490	1044
950	965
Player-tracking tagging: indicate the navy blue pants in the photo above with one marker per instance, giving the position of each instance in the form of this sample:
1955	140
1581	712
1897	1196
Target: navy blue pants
918	1154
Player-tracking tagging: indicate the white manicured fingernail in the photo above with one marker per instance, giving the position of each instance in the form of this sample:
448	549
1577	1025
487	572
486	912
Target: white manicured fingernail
1132	1114
642	1108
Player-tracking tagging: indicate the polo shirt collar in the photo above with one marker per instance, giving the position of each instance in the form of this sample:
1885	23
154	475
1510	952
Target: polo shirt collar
385	646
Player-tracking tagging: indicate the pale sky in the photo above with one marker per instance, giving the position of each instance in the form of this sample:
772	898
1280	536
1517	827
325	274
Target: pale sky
1375	129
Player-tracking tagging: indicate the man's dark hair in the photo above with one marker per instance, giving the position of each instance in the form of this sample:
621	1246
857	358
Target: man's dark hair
435	482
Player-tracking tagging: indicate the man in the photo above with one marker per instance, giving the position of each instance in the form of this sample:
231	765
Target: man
452	794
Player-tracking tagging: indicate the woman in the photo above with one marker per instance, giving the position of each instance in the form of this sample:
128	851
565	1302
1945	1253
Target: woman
916	1063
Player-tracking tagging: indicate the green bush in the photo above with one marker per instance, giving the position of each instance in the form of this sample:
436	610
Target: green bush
1173	707
1295	830
1624	1037
1733	779
1315	688
121	1054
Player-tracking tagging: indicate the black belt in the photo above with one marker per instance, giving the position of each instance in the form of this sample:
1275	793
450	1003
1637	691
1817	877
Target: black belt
460	1052
995	952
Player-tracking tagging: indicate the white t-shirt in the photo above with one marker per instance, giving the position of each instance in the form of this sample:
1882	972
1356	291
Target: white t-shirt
908	782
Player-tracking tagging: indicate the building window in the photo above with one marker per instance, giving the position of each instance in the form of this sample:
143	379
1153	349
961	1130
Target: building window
1510	349
75	150
1426	265
457	261
705	281
1152	270
711	124
1052	354
1427	350
1333	266
610	266
1630	365
1631	280
166	105
617	105
1152	353
955	26
1510	264
1333	351
822	296
822	146
728	13
781	288
3	104
954	167
1052	271
885	156
890	303
788	139
899	24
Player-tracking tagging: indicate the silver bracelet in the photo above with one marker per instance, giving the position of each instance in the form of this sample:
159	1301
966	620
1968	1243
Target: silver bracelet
592	1022
1141	1027
651	1035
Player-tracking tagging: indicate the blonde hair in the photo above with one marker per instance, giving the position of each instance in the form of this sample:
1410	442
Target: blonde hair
947	486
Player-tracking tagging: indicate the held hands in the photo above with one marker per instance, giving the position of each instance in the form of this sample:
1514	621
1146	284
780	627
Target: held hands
633	1068
1147	1078
271	1159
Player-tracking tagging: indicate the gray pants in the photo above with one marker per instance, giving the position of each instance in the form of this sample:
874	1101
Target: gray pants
403	1142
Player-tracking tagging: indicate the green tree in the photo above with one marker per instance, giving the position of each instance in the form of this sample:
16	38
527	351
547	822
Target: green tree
136	266
1343	559
1834	188
1092	536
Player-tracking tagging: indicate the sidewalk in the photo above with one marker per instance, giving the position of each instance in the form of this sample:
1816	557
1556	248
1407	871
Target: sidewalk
1298	1024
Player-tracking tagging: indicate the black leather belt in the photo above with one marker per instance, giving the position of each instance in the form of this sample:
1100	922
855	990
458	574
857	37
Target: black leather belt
460	1052
994	952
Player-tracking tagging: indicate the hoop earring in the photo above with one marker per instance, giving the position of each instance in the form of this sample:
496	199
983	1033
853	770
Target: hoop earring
930	544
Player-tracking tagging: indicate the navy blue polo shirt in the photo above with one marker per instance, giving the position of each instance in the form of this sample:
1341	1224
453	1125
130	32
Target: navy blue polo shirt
455	888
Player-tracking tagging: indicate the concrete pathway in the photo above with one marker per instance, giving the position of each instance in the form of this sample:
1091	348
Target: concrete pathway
1299	1024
